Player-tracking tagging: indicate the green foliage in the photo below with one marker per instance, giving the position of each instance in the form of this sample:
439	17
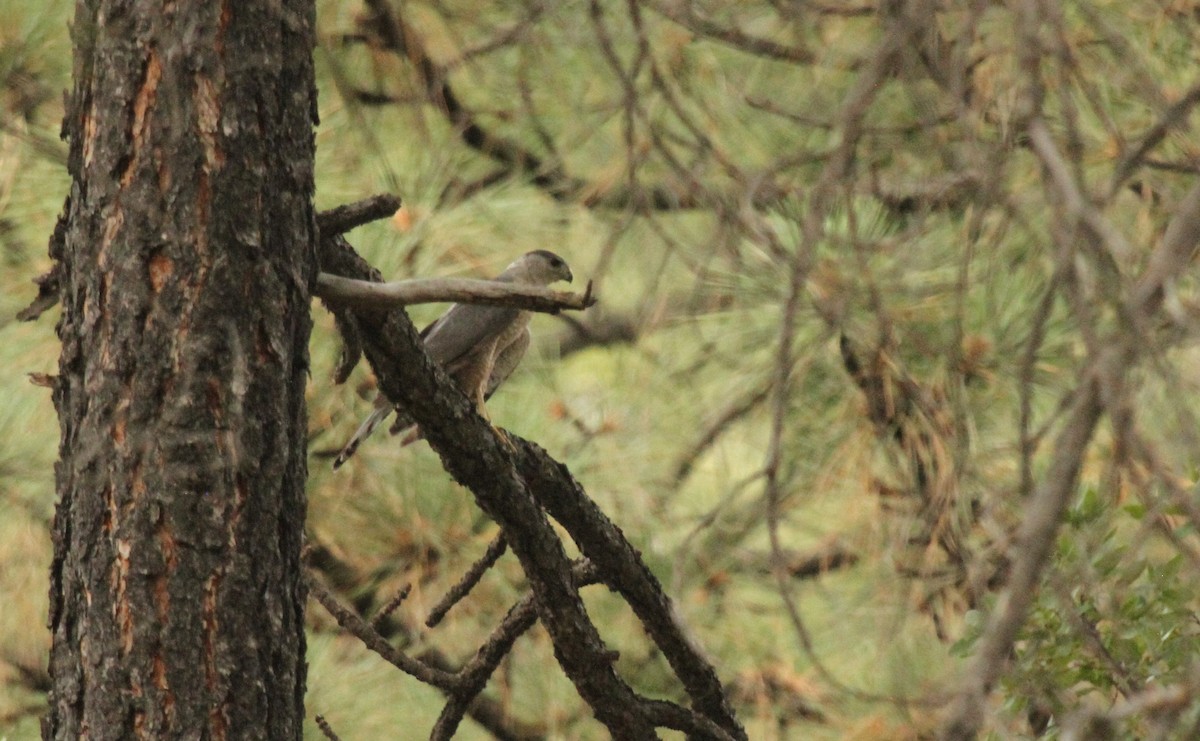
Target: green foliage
1112	618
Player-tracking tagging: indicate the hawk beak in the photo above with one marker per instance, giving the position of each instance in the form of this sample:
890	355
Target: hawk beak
570	276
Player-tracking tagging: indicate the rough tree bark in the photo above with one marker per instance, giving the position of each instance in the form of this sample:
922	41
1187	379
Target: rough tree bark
187	254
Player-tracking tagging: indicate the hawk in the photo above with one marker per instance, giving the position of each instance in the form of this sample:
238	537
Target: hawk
478	346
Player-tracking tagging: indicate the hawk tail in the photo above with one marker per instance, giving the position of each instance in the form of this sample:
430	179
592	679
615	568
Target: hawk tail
364	431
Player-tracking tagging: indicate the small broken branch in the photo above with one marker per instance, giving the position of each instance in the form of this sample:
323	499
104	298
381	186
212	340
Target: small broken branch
326	728
468	581
359	628
392	605
48	288
342	219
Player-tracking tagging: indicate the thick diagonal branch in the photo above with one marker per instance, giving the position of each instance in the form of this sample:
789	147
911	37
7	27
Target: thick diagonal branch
477	457
516	484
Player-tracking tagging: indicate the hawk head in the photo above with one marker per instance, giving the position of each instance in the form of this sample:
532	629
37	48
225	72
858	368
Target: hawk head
540	267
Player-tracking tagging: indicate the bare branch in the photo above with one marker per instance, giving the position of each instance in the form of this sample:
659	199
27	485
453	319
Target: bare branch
623	570
364	295
49	284
546	172
48	288
684	14
670	715
520	618
853	110
326	729
1175	115
392	605
1043	513
1179	244
1161	703
725	419
468	581
359	628
486	711
1077	204
804	565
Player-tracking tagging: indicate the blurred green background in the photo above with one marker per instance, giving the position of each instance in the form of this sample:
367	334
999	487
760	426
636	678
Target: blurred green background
935	262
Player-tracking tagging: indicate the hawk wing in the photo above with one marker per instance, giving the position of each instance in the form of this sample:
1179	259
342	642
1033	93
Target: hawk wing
506	362
464	330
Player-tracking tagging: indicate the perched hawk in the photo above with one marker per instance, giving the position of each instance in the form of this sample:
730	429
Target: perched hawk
478	346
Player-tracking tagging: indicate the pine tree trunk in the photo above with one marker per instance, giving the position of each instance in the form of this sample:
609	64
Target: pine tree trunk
187	248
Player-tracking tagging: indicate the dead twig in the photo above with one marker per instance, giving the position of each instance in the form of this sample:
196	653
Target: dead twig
342	219
468	581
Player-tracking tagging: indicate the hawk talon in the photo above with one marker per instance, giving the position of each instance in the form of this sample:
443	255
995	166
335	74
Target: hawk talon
505	440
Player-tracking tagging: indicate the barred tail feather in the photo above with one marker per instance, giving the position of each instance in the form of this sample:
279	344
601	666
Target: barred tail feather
364	431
